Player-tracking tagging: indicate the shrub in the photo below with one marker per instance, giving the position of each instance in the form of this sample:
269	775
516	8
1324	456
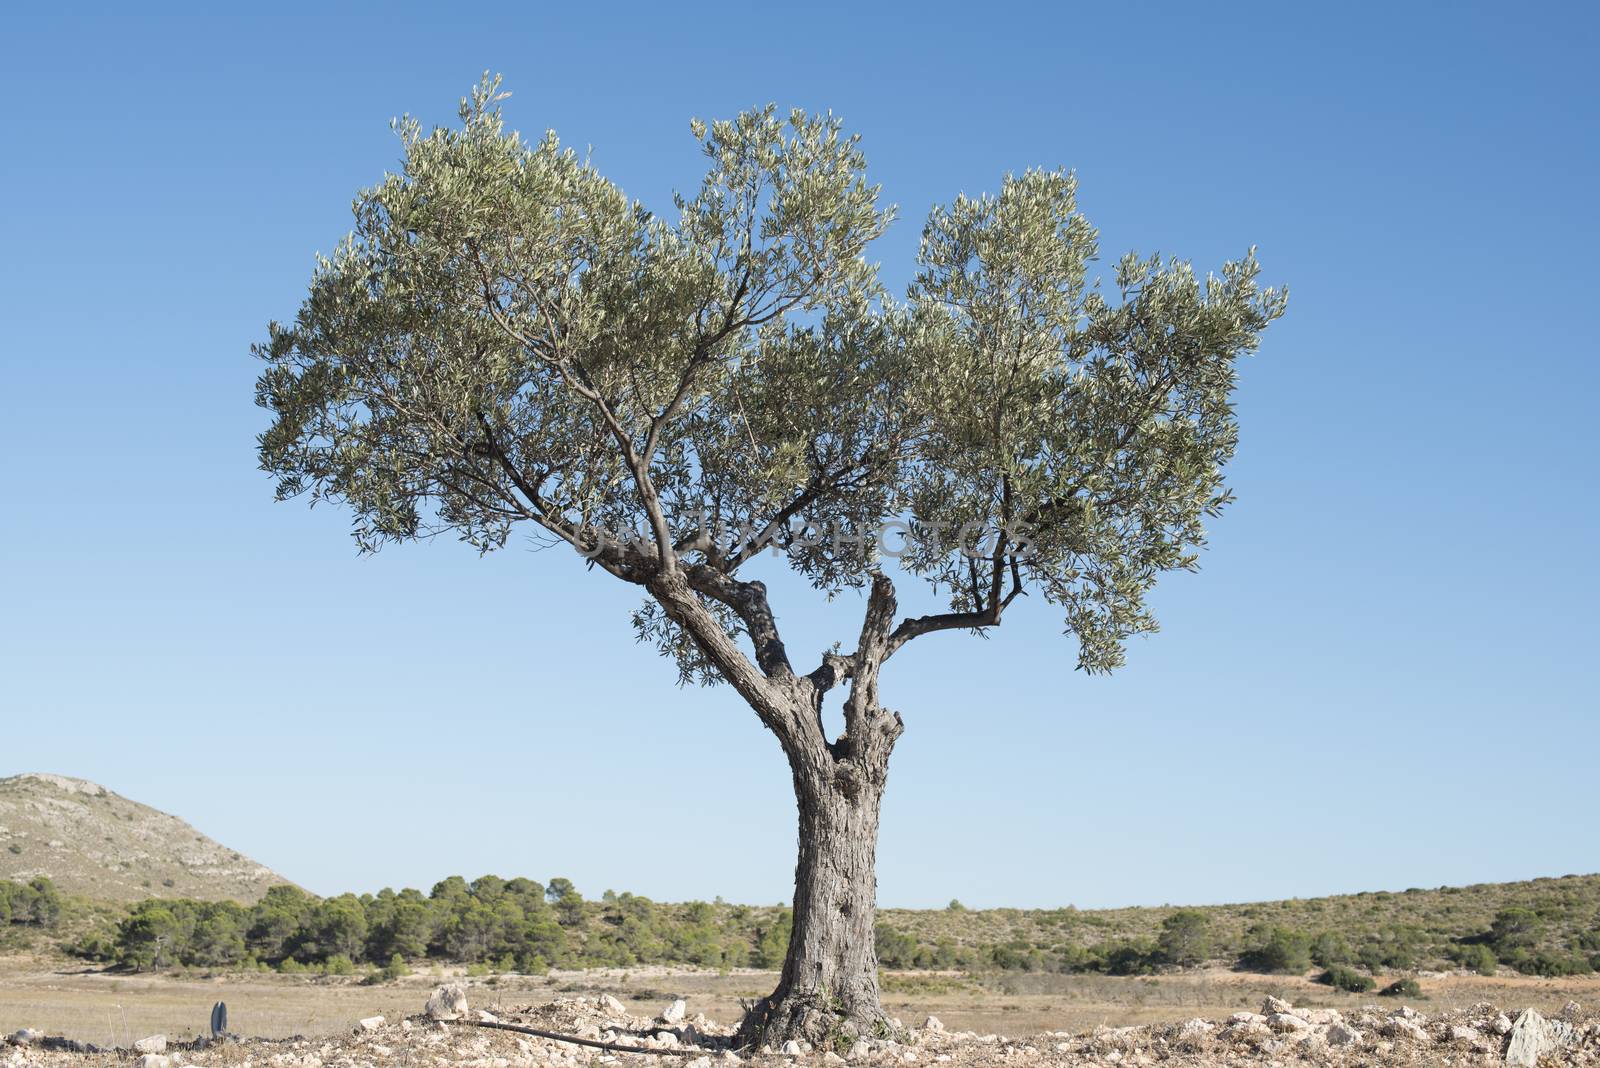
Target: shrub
1277	949
1476	957
1342	978
1402	988
1515	928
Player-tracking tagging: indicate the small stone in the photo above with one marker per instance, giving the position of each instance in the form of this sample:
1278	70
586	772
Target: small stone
370	1023
1342	1034
1284	1021
487	1017
666	1038
612	1005
153	1060
792	1048
933	1023
1195	1027
1501	1025
700	1062
1458	1033
1401	1027
152	1044
26	1036
1273	1006
449	1002
860	1051
674	1012
831	1057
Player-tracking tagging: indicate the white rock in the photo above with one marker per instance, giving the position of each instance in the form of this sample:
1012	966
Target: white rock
612	1005
153	1060
933	1023
1273	1006
674	1012
792	1048
487	1017
449	1002
1501	1025
1285	1021
152	1044
1320	1017
666	1038
1529	1040
1459	1033
1401	1027
26	1036
1247	1017
1196	1026
1342	1034
860	1051
700	1062
831	1057
371	1023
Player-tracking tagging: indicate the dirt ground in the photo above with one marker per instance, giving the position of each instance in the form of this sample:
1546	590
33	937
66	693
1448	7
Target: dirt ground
1277	1035
110	1009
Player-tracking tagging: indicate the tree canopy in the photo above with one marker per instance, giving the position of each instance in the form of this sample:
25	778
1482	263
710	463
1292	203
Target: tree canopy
506	339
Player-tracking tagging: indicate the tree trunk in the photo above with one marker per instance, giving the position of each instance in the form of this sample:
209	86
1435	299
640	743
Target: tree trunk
828	992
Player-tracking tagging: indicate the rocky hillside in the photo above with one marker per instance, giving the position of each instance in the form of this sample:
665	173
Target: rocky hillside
98	844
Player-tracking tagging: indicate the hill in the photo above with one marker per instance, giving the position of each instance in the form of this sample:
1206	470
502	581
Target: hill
94	843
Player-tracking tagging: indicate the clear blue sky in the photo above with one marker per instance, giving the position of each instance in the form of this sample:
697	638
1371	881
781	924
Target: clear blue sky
1384	676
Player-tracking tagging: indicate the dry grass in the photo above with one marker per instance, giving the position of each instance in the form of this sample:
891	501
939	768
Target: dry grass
111	1009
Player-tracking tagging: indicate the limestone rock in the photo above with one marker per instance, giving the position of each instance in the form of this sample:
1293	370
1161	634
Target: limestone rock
449	1002
1342	1034
674	1013
1460	1033
1273	1006
487	1017
1285	1021
791	1048
1532	1037
933	1023
26	1036
612	1005
152	1044
1403	1027
370	1023
153	1060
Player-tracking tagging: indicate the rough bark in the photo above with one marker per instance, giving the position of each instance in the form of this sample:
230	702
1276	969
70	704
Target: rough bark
828	990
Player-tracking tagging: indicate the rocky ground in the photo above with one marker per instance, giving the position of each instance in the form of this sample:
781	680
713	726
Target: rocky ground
449	1034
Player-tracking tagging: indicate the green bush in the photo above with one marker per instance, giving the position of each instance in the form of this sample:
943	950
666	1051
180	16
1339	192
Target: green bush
1277	949
1475	957
1343	978
1402	988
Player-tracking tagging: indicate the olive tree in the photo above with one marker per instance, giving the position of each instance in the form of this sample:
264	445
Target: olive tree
506	341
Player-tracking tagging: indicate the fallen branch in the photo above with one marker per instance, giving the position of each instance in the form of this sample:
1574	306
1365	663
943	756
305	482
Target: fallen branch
596	1043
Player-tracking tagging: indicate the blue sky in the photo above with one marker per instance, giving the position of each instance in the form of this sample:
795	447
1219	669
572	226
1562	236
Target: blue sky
1384	676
